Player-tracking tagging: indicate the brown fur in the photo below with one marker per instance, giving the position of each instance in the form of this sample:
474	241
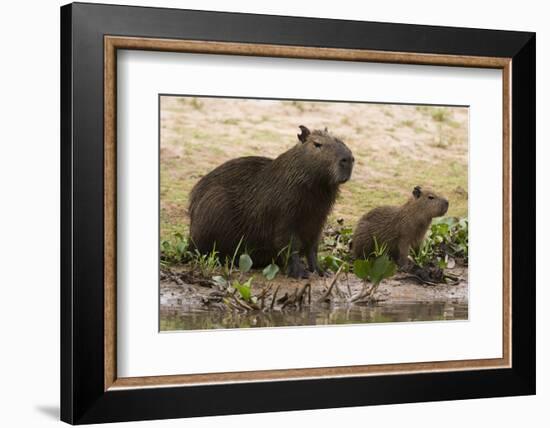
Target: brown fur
399	227
271	203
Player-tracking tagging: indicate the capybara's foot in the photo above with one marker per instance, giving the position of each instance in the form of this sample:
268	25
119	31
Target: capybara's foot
406	266
316	270
296	270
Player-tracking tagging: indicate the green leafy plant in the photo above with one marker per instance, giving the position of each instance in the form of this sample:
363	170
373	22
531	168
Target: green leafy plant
245	263
447	239
373	269
460	238
271	271
220	281
175	250
206	263
244	289
424	254
331	262
285	253
229	263
336	243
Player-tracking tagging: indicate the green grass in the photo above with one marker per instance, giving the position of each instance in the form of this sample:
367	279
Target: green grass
356	197
440	114
443	177
196	104
231	121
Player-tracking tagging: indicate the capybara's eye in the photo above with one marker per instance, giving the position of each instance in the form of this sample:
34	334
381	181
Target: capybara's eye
318	145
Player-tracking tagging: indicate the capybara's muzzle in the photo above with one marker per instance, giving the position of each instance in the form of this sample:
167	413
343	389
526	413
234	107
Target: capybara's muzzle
444	207
345	167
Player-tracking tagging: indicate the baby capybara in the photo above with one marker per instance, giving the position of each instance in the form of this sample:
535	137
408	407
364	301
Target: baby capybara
273	205
399	227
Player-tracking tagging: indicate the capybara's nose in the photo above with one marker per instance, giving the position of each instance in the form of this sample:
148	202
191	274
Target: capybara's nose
446	203
347	160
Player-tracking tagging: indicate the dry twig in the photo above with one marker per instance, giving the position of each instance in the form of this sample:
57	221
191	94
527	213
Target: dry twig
327	293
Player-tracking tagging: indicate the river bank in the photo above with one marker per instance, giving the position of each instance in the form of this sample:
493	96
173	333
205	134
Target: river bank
188	302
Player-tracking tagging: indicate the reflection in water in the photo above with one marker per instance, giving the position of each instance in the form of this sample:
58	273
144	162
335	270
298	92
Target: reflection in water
198	319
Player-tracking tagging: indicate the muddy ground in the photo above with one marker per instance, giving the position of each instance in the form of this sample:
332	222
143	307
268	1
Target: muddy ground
189	302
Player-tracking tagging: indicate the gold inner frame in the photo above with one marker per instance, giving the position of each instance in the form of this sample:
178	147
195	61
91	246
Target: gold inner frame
112	43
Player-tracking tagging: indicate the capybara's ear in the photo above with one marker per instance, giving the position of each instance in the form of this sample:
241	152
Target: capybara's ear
417	191
305	133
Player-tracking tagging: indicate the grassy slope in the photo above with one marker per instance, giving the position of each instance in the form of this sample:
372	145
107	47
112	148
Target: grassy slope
396	147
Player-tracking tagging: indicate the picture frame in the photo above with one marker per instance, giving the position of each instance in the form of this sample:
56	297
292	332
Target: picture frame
91	391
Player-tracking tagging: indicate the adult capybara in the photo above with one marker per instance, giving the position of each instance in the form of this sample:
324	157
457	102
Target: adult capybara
399	227
273	205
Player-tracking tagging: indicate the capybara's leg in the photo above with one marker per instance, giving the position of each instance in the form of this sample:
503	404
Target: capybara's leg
403	255
290	244
312	262
295	267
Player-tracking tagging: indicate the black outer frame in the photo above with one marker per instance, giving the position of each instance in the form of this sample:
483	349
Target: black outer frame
83	399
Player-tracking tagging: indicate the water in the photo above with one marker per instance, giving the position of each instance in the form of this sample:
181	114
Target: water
200	319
